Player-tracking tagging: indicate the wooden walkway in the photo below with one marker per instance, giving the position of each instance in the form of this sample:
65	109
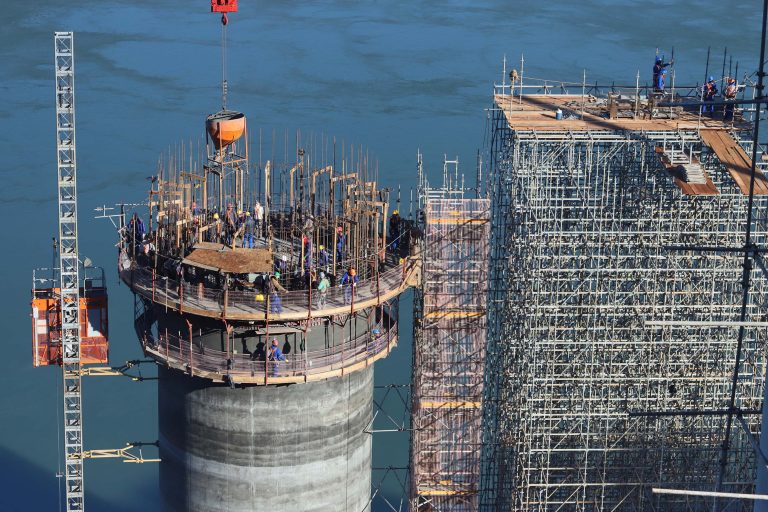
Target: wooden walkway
735	159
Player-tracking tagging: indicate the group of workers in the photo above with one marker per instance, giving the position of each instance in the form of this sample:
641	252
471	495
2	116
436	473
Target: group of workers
246	223
709	91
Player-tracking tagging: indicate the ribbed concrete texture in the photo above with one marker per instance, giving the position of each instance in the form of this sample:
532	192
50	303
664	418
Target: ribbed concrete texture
284	448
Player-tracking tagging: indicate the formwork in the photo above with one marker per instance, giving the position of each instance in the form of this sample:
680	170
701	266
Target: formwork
611	337
449	349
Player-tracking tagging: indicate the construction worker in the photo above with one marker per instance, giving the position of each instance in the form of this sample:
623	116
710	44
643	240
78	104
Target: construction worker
658	67
323	257
258	217
274	355
230	223
394	228
729	95
322	290
708	94
135	232
248	229
214	231
273	287
348	282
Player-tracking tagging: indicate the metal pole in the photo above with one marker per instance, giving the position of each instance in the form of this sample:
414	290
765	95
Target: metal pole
747	264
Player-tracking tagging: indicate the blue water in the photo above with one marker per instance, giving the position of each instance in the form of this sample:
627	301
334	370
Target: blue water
395	76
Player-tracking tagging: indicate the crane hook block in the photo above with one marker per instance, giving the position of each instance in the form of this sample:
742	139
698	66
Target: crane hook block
223	6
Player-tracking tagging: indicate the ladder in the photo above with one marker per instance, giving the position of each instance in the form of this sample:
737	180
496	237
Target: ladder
69	278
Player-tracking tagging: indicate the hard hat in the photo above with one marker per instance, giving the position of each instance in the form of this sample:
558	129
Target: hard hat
239	212
396	212
277	275
658	58
216	216
284	257
322	247
711	78
274	342
247	214
352	272
664	71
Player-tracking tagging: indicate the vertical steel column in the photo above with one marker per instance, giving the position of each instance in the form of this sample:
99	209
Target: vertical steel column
69	278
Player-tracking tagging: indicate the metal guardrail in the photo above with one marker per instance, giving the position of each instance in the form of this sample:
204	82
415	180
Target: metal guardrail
290	305
348	356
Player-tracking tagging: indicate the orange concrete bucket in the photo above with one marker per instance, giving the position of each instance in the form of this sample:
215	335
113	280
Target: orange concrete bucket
225	127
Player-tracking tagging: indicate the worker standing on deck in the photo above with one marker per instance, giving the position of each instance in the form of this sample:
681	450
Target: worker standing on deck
230	223
658	70
248	228
136	231
258	217
394	229
214	231
708	94
275	355
322	290
323	258
348	282
730	94
273	287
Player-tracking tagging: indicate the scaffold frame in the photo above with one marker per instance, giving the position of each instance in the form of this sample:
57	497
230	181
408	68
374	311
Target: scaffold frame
449	345
582	228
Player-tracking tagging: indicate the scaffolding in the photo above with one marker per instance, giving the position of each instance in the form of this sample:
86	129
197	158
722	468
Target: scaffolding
596	320
449	347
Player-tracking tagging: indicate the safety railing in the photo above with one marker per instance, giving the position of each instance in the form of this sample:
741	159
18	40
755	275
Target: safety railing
347	356
256	304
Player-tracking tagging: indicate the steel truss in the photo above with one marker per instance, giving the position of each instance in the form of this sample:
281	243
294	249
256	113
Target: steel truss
69	268
580	259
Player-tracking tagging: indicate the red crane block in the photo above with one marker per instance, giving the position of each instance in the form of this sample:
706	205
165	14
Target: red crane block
224	6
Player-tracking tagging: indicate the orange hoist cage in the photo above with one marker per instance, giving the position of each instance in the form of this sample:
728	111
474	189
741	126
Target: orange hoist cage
46	327
223	5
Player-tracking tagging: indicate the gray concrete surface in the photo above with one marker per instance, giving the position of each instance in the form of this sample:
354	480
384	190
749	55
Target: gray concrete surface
285	448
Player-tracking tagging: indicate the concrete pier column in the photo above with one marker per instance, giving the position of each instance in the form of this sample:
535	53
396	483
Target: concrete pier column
298	447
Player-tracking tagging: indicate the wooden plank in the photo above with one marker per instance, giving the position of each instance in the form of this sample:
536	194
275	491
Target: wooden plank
736	161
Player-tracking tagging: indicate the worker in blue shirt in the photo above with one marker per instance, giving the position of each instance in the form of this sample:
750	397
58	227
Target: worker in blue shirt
249	226
323	257
275	355
340	239
349	281
658	67
708	94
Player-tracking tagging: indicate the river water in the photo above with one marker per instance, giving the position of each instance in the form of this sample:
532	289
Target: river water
395	76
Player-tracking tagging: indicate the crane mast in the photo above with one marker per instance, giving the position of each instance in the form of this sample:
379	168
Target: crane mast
69	276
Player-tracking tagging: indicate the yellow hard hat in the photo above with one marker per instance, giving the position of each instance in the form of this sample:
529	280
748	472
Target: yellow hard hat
247	214
216	216
396	212
239	212
322	247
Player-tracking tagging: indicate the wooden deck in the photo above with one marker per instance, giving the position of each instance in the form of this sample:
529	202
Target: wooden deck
537	112
735	159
